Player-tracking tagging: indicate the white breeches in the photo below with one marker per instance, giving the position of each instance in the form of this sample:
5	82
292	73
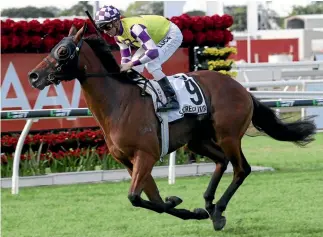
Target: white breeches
166	48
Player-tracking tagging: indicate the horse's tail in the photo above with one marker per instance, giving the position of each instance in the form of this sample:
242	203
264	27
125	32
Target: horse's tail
265	120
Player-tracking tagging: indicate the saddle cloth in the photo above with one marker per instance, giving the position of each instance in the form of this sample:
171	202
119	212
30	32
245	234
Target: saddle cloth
189	95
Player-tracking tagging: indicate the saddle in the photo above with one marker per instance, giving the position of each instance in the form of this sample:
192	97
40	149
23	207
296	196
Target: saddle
190	97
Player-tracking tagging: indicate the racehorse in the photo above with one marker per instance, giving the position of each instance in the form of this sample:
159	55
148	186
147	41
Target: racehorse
132	129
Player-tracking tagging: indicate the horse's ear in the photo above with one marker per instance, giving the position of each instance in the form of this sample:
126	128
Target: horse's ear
72	31
79	35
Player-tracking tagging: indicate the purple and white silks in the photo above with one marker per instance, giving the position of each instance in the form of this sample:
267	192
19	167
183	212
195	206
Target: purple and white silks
140	33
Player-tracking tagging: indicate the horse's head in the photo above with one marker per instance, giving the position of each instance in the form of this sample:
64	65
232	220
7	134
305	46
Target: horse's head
62	64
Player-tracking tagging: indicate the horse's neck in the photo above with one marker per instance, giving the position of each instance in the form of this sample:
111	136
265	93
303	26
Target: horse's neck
107	98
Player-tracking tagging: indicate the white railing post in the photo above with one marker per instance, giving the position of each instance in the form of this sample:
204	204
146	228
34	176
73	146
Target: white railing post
16	160
303	110
171	169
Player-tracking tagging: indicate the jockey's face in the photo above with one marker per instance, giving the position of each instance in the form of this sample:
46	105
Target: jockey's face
112	28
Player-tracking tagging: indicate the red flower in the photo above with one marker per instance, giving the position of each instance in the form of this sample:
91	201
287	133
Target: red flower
78	23
58	26
218	36
5	42
48	27
25	41
208	22
91	29
217	21
35	26
49	42
227	36
20	27
19	37
4	159
27	140
197	23
67	25
23	157
187	36
7	27
9	141
200	38
56	155
227	21
36	42
177	21
210	36
43	156
15	41
186	20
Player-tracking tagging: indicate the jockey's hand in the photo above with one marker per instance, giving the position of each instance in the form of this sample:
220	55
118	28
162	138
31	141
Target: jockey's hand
125	67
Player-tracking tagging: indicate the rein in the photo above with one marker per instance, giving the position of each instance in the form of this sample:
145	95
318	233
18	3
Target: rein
69	60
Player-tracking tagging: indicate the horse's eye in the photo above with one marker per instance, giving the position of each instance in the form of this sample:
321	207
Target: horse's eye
62	52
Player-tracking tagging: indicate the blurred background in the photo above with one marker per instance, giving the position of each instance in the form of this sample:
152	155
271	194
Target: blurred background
261	20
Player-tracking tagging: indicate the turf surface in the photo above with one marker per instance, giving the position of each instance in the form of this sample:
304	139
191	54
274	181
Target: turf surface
287	202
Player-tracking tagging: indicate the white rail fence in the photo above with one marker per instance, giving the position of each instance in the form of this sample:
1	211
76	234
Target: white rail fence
299	80
31	115
282	74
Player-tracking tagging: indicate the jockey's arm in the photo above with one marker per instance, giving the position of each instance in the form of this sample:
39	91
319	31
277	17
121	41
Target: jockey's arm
140	33
125	51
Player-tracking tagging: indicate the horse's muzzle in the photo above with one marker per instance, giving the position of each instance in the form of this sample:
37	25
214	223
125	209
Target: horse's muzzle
35	81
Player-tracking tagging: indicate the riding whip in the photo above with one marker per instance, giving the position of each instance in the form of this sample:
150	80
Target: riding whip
99	34
92	21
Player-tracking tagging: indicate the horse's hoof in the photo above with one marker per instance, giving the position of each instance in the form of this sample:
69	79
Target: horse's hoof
201	214
219	223
175	201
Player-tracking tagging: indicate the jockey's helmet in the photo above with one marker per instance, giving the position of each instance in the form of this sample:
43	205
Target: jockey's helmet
105	15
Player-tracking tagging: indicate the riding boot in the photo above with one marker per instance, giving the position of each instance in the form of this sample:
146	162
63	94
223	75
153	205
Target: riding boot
172	102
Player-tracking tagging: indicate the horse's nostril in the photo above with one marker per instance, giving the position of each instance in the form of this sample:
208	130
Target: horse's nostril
33	76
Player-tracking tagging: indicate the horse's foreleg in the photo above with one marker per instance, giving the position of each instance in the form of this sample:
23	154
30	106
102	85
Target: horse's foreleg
141	174
152	193
142	180
150	188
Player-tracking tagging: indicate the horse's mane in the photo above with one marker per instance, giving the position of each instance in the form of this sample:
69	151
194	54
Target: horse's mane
103	51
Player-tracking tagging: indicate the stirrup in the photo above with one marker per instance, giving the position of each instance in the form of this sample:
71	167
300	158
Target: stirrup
171	104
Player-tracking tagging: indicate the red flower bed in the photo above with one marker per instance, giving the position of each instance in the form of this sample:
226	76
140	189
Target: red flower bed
51	153
28	37
57	145
71	151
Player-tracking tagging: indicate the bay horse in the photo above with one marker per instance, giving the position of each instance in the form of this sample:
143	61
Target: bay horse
132	130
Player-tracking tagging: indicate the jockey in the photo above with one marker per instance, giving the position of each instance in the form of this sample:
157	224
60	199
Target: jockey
156	37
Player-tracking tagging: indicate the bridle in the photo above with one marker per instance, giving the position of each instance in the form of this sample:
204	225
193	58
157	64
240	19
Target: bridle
70	58
60	71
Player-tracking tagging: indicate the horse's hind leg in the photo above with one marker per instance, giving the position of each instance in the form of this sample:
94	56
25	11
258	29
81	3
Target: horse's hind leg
232	149
211	150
